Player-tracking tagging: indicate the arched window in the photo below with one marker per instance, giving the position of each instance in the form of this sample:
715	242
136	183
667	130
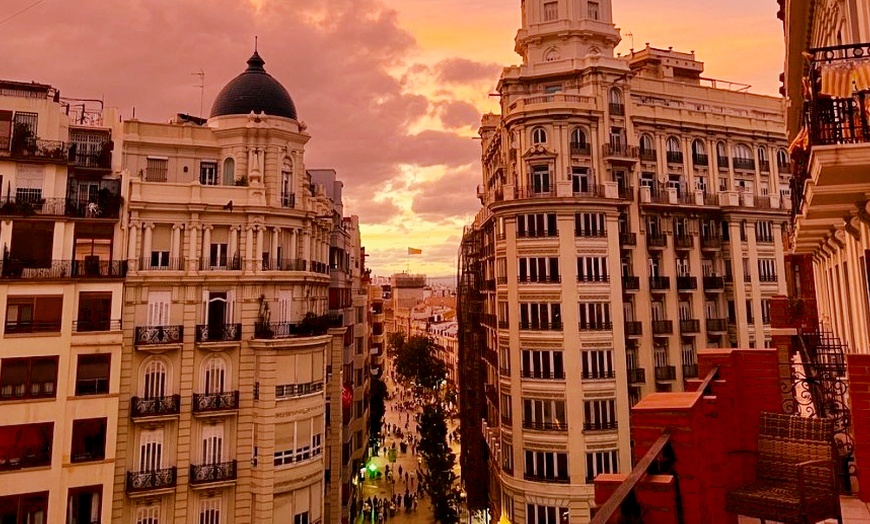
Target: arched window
722	155
698	147
762	154
617	106
287	196
647	148
578	141
229	171
675	152
782	161
742	151
539	135
154	379
214	375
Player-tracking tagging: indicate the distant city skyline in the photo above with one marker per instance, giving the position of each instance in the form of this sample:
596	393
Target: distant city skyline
391	90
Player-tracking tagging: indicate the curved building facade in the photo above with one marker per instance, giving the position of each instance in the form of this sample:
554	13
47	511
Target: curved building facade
632	214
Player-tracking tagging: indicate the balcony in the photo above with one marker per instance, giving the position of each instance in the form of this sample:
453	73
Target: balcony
145	481
722	162
288	200
628	239
717	325
541	326
545	478
91	268
155	406
312	326
662	327
170	264
744	164
105	204
298	390
636	376
767	279
579	149
660	283
616	109
600	426
30	148
96	325
714	284
26	206
538	425
593	278
539	279
656	240
536	191
211	473
687	283
597	375
215	402
625	193
711	242
633	328
690	326
32	326
156	335
630	283
666	373
226	264
699	160
284	264
218	332
595	326
684	241
648	155
764	165
619	151
690	371
675	157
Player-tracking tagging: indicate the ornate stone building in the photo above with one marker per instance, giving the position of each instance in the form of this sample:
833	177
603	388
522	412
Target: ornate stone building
633	212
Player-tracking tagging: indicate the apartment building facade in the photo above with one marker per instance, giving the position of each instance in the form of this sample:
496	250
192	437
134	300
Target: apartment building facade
61	282
223	413
632	213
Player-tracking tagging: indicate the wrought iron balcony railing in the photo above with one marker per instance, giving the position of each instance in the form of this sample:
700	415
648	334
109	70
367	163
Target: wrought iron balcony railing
621	151
723	162
541	326
617	109
675	157
141	481
208	473
542	375
633	328
315	326
656	240
537	279
593	278
713	283
745	164
687	283
155	406
209	402
222	264
690	326
625	193
710	242
628	239
597	374
630	283
717	325
636	376
547	478
690	371
595	326
12	205
684	241
580	149
32	148
700	160
666	373
284	264
662	327
169	264
12	268
152	335
218	332
648	155
600	426
539	425
93	325
659	283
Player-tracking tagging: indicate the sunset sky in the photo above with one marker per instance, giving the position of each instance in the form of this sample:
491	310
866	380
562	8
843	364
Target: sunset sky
391	90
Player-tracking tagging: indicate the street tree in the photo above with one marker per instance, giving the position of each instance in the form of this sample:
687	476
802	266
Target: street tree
416	361
439	460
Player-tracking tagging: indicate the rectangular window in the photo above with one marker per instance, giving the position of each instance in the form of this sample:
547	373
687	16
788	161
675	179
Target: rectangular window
156	169
539	269
26	508
764	232
95	311
22	378
210	511
589	225
208	173
599	415
580	182
537	514
540	179
597	364
537	225
592	269
599	463
593	10
749	317
40	314
88	440
540	316
767	270
551	11
544	414
159	259
29	446
765	311
546	465
595	316
218	255
542	364
92	374
28	184
507	456
506	412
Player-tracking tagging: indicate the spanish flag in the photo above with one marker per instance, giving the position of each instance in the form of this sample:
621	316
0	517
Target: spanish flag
414	251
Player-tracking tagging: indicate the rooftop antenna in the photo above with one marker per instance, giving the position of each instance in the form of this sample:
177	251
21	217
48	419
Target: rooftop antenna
255	43
201	86
631	35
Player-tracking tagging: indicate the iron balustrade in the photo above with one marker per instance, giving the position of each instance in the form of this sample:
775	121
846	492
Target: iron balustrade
284	264
617	109
764	165
228	264
61	269
747	277
595	326
626	192
767	278
723	162
628	239
169	264
540	279
31	148
207	473
298	390
208	402
540	425
656	240
633	328
28	457
666	373
675	157
684	241
152	335
745	164
13	205
536	191
785	168
589	233
690	325
648	155
580	149
32	326
92	325
108	207
687	283
538	233
690	371
141	481
630	283
710	242
503	324
593	278
155	406
713	283
288	200
764	239
600	426
700	160
541	326
542	375
662	327
718	325
505	372
546	478
218	332
659	283
636	376
620	150
598	375
591	190
318	267
272	330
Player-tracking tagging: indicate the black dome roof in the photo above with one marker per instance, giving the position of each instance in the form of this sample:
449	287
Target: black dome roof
254	90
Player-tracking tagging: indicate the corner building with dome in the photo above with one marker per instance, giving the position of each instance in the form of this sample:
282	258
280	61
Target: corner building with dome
632	213
226	332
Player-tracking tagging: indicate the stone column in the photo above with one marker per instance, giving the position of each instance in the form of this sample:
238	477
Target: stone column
273	249
258	254
249	247
234	242
206	247
306	247
147	234
192	251
175	245
294	244
132	255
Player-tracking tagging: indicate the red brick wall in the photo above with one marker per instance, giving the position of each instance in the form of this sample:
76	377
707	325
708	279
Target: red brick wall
859	396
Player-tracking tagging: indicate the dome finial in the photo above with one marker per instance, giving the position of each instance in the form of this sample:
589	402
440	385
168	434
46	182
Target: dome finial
255	43
255	63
